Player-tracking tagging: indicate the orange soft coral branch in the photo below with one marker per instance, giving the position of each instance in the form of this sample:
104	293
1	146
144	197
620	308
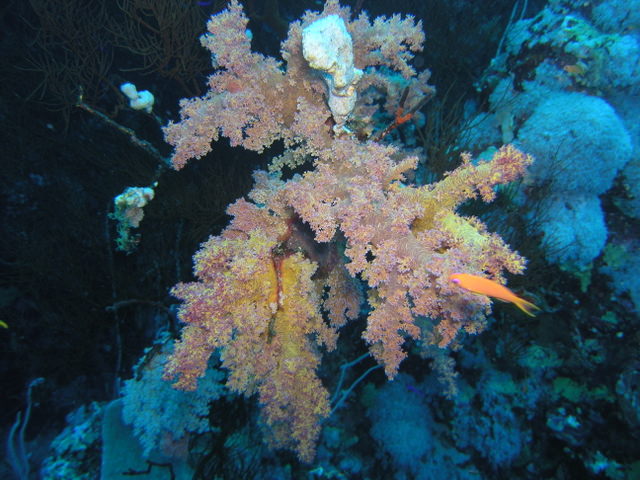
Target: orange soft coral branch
259	302
405	241
295	402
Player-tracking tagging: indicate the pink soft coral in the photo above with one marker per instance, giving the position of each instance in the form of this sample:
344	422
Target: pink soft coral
303	247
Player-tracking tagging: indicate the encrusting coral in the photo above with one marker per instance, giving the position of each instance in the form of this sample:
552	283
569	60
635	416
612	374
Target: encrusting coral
288	271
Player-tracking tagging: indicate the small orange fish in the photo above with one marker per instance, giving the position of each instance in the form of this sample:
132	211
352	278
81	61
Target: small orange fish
576	69
484	286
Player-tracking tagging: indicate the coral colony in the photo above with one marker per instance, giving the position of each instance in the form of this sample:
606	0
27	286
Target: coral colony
275	287
327	330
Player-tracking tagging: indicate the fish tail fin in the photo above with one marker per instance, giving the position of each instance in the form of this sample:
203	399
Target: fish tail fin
527	307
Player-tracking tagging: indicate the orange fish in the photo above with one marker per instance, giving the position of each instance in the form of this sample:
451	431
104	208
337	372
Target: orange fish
484	286
576	69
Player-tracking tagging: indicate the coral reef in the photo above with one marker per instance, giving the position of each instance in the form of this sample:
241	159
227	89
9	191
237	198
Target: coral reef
301	246
564	91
